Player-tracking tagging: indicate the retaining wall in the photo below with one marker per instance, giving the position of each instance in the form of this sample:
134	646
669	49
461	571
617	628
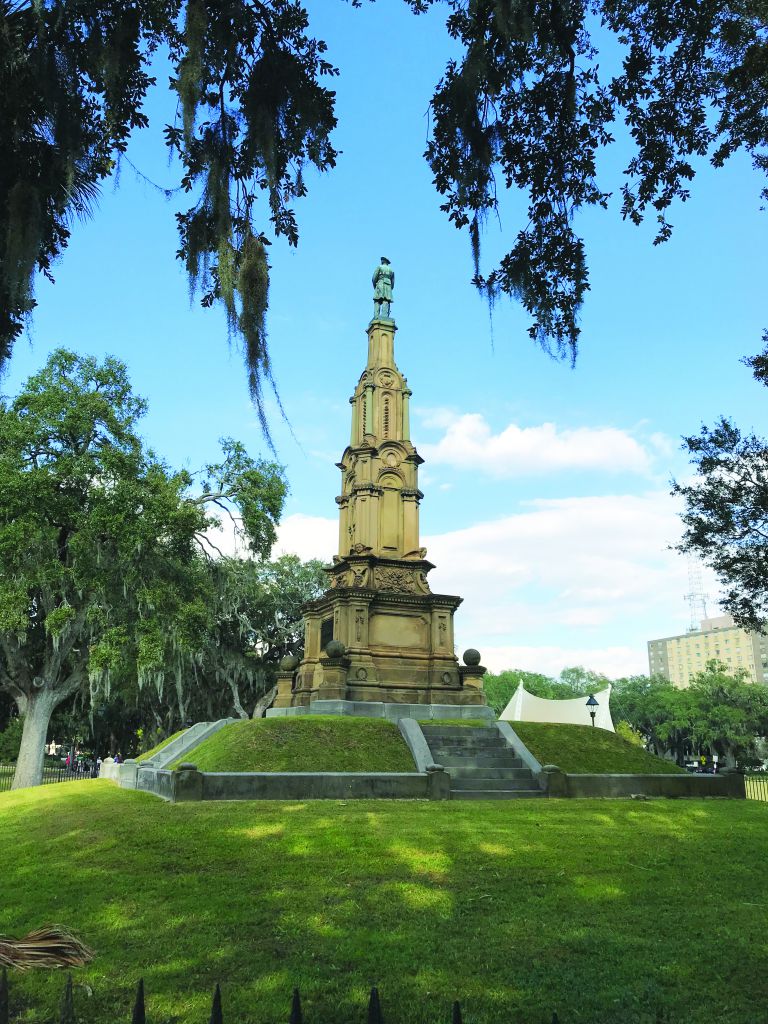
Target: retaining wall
670	786
189	784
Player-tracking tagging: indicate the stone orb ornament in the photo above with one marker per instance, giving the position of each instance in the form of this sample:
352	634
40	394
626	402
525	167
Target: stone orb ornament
471	657
335	649
289	662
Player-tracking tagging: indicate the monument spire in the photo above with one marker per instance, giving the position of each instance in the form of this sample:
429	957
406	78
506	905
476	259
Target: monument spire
379	500
379	633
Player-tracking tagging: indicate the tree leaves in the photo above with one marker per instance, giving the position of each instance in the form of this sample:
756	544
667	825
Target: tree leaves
103	578
528	106
525	107
726	516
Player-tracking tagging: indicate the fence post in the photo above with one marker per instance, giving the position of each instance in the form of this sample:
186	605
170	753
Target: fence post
374	1008
295	1017
138	1016
67	1004
216	1017
4	997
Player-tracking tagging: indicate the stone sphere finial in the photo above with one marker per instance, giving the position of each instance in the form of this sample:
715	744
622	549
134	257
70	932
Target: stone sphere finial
289	662
335	649
471	657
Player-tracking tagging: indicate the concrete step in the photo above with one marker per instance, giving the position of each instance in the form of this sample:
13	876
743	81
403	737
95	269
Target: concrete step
492	740
483	761
469	749
457	730
495	794
470	772
482	784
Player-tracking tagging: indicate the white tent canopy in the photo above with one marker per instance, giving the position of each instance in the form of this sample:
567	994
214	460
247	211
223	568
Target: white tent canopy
524	707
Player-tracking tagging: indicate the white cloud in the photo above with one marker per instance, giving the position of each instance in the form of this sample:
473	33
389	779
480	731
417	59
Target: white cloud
613	662
308	537
574	580
564	581
469	443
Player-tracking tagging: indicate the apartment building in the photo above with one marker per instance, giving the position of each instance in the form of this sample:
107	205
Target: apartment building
680	657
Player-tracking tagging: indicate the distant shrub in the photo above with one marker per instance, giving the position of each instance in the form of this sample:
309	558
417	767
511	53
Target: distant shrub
10	741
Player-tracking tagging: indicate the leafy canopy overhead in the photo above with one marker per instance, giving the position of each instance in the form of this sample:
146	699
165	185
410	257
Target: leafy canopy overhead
527	106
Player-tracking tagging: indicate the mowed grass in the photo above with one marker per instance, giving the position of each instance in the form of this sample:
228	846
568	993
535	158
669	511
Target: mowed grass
605	912
316	743
581	749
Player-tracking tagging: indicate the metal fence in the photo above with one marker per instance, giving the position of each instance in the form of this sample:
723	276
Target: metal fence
756	787
294	1012
50	775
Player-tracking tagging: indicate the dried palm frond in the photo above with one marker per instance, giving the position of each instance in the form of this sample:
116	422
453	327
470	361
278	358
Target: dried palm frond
53	946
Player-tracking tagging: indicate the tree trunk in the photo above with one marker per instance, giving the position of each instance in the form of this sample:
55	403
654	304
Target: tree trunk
29	765
236	700
265	703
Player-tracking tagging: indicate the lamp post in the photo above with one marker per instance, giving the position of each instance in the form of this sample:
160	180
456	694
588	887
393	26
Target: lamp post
592	704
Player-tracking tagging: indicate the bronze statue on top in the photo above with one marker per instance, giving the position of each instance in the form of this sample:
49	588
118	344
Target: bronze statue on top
383	283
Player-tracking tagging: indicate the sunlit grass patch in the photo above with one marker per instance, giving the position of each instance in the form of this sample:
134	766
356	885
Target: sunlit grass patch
582	749
311	743
519	909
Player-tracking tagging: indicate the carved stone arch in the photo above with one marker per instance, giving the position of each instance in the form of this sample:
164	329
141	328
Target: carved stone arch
394	447
392	478
387	378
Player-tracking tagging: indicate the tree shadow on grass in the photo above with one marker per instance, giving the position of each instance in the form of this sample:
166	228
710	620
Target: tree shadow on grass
604	912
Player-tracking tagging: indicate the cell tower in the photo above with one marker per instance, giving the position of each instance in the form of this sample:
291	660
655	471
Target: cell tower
696	598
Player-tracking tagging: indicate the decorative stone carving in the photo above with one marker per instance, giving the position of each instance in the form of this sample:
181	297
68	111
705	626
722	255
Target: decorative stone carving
401	580
359	623
359	576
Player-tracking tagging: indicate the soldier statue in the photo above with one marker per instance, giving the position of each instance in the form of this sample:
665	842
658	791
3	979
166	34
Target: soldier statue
383	283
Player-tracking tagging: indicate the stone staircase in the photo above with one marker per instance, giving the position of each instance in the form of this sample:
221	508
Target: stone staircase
481	764
185	743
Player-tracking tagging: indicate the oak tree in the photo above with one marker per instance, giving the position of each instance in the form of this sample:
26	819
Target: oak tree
103	571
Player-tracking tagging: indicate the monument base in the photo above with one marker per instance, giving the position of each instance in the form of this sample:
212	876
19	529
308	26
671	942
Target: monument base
391	711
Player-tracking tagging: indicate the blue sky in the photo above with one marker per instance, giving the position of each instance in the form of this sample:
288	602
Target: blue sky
546	489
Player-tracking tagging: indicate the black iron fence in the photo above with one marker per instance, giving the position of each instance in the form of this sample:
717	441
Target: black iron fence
756	787
294	1011
50	775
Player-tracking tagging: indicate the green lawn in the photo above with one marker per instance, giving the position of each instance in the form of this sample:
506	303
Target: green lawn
582	749
607	912
311	743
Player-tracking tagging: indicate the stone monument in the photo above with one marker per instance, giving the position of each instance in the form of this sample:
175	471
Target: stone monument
379	634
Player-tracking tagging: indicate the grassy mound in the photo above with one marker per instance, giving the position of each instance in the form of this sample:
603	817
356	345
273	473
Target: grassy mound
583	750
311	743
156	749
597	910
